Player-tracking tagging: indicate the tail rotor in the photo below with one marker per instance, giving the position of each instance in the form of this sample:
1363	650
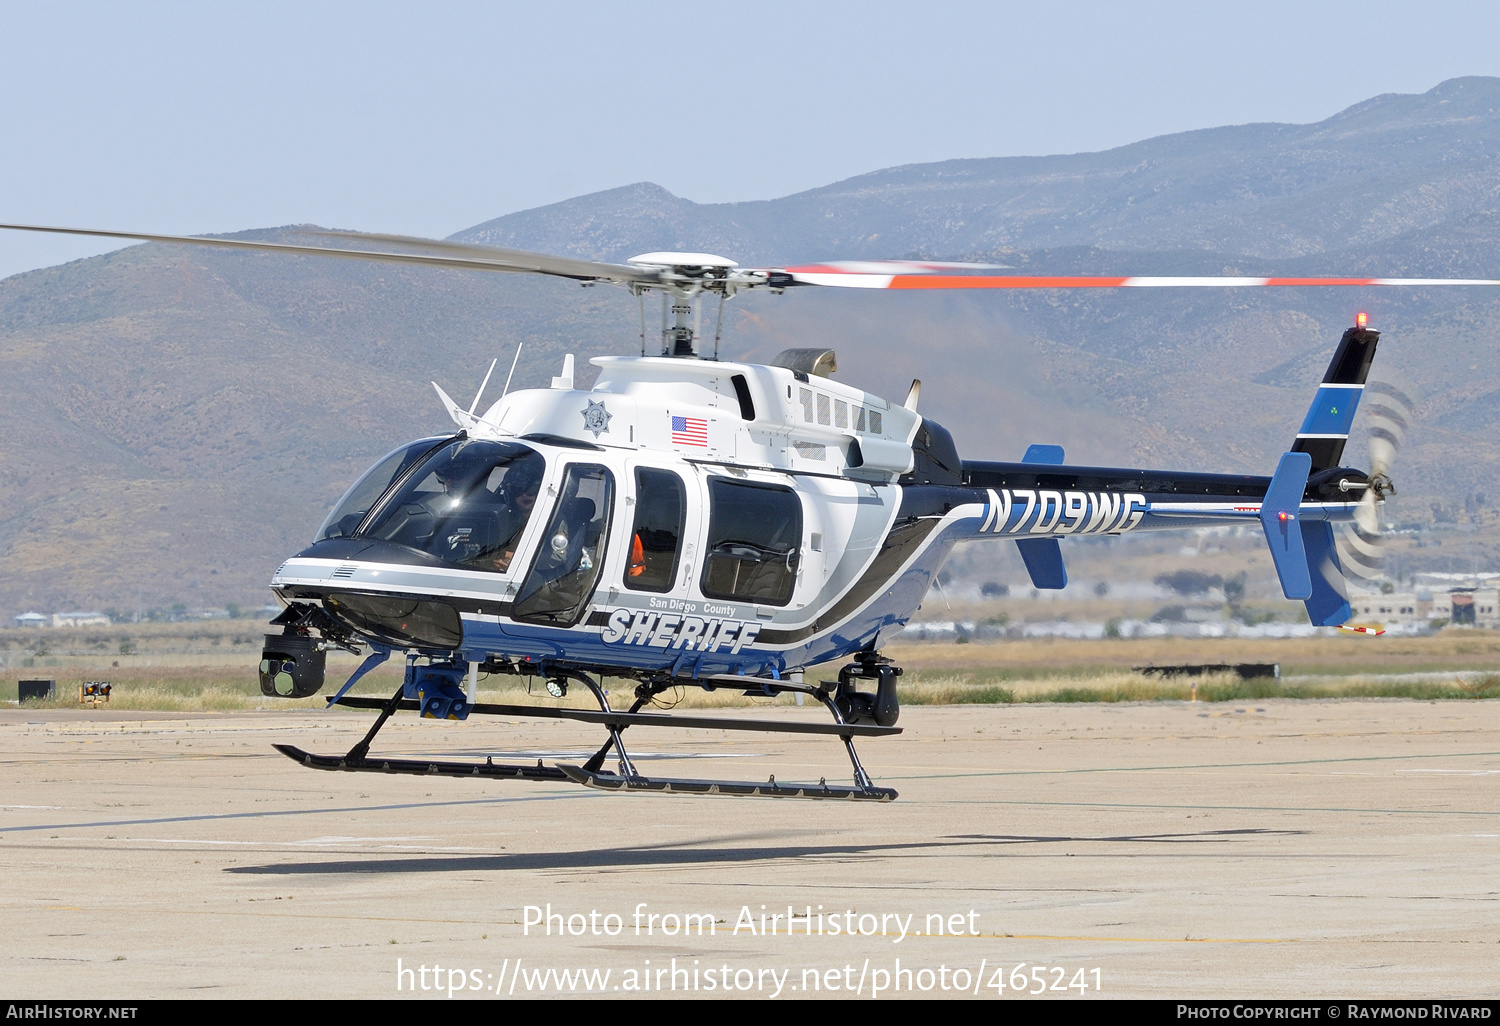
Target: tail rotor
1362	543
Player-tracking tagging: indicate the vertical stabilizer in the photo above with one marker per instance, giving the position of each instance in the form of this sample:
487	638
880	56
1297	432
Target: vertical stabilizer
1043	556
1325	429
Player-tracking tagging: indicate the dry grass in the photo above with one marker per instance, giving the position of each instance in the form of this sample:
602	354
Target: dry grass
1453	649
986	687
213	689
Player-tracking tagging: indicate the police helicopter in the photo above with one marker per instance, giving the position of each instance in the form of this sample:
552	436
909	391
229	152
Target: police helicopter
691	521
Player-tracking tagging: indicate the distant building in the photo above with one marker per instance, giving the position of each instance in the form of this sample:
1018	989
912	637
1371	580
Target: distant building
92	618
32	620
1476	607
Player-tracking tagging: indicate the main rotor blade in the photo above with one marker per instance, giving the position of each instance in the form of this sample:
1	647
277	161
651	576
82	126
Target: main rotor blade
867	274
450	255
515	259
899	275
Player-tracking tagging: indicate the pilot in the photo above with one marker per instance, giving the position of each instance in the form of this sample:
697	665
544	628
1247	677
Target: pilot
516	498
457	478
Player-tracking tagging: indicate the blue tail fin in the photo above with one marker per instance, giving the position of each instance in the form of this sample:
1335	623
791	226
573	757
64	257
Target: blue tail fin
1328	605
1043	556
1325	429
1280	518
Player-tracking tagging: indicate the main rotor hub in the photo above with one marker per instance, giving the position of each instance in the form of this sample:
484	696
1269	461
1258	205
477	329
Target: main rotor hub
686	277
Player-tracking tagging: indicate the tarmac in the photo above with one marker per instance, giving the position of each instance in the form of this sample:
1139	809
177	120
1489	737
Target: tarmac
1276	849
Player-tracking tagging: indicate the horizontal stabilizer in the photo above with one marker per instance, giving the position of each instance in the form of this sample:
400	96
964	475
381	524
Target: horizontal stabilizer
1279	516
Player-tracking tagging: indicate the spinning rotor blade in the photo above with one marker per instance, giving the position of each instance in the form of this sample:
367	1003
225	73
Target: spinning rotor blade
900	274
1391	411
1361	544
445	254
694	271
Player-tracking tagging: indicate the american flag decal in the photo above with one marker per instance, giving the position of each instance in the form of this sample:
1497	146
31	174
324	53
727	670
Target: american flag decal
690	431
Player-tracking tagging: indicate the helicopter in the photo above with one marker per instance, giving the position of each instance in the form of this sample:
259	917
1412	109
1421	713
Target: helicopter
692	521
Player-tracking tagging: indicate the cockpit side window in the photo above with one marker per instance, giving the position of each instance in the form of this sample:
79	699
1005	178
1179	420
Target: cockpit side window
656	537
355	505
568	558
754	542
468	504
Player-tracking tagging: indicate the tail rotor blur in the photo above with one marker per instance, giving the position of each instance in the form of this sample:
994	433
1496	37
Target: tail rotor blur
1362	543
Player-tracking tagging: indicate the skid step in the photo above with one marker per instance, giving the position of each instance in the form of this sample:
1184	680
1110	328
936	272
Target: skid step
770	789
423	767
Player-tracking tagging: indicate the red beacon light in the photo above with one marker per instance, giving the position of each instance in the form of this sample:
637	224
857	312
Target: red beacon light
1361	319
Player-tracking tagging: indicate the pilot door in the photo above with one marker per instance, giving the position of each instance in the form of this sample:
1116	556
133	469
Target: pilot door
569	554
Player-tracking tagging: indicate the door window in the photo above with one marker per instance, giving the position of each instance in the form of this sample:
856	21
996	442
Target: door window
656	537
571	550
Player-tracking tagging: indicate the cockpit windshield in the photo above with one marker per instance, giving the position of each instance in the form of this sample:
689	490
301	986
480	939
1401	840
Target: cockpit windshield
356	503
467	504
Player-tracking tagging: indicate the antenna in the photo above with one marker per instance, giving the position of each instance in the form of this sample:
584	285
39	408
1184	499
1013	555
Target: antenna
512	370
486	381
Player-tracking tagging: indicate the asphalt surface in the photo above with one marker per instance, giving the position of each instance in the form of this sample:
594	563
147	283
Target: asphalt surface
1273	849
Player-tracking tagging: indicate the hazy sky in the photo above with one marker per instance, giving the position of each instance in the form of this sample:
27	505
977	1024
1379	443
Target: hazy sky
428	118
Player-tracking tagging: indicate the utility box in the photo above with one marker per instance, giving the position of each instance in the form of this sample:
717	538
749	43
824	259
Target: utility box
39	690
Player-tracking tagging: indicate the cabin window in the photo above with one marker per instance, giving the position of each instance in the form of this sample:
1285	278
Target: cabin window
754	542
566	565
656	536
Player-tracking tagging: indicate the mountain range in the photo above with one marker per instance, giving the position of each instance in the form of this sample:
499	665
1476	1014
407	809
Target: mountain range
176	422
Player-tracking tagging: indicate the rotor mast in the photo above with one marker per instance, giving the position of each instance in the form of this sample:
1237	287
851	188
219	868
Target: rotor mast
685	281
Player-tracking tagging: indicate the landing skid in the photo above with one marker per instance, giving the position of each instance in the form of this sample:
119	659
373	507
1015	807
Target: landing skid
771	789
591	773
423	767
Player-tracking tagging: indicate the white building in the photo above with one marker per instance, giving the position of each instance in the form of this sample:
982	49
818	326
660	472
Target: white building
92	618
1477	607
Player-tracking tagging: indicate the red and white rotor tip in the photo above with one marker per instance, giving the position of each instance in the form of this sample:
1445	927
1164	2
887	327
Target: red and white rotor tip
1362	630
